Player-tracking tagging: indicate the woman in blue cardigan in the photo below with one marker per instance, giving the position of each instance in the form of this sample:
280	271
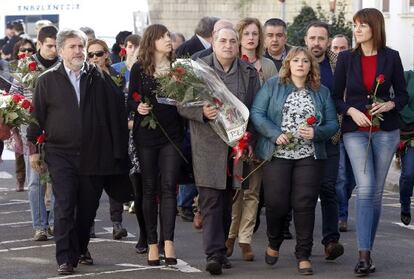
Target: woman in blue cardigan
294	116
371	124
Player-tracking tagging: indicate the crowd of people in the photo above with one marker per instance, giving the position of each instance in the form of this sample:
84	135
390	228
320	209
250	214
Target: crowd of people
325	118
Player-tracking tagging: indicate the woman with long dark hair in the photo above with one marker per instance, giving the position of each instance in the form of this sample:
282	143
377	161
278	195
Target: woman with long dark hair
362	83
157	152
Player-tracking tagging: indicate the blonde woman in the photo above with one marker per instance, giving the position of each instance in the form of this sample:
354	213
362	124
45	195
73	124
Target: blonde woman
294	150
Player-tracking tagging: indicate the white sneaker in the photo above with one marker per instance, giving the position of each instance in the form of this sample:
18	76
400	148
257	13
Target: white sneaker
40	235
131	209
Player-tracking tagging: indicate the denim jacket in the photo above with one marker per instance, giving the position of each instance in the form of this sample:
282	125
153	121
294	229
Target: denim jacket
266	115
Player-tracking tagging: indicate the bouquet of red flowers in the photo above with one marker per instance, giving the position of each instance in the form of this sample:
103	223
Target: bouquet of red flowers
26	71
194	83
14	111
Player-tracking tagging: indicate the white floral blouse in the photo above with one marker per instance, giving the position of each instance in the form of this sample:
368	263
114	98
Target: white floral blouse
297	108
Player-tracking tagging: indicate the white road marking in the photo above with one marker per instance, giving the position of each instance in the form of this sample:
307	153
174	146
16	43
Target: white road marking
14	212
409	227
13	202
98	273
5	175
26	248
15	224
16	241
93	240
391	198
397	205
181	266
31	260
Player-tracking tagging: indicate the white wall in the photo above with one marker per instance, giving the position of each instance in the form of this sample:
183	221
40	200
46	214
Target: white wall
107	18
399	25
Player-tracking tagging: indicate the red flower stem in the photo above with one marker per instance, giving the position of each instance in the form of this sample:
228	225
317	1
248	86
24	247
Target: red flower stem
368	146
168	137
370	129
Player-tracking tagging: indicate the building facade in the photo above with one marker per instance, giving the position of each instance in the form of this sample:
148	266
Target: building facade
399	24
183	15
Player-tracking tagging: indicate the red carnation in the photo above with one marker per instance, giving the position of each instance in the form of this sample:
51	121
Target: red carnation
136	96
122	52
21	56
217	102
41	139
32	66
401	146
245	58
311	120
25	104
17	98
180	71
380	79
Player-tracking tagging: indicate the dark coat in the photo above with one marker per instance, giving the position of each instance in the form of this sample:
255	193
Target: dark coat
210	152
202	53
97	130
189	47
8	47
348	75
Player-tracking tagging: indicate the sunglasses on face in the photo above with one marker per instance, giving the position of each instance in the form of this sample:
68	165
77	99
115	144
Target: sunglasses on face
97	54
29	49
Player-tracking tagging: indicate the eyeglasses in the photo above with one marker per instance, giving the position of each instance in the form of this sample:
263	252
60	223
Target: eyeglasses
29	49
97	54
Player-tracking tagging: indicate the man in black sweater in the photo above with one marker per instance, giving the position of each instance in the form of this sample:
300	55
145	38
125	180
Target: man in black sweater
85	144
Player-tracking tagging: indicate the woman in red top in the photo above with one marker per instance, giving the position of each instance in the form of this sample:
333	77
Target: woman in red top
370	126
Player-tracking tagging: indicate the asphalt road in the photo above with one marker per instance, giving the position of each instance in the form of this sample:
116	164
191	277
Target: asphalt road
21	257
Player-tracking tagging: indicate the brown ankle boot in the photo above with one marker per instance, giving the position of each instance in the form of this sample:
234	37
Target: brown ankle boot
230	246
20	186
198	221
247	252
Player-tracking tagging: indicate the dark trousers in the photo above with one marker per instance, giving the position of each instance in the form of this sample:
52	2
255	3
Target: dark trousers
1	148
329	201
215	206
20	169
292	184
115	210
164	161
138	198
76	201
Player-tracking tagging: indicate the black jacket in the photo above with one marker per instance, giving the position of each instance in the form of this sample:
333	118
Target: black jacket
97	130
348	76
189	47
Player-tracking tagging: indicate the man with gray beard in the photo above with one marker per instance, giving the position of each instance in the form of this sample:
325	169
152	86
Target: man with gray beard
85	144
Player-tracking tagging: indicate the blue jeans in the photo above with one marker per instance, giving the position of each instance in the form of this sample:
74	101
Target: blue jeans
407	179
345	183
37	192
370	181
186	195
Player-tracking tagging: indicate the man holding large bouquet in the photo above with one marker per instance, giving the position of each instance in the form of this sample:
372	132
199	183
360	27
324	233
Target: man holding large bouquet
211	153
